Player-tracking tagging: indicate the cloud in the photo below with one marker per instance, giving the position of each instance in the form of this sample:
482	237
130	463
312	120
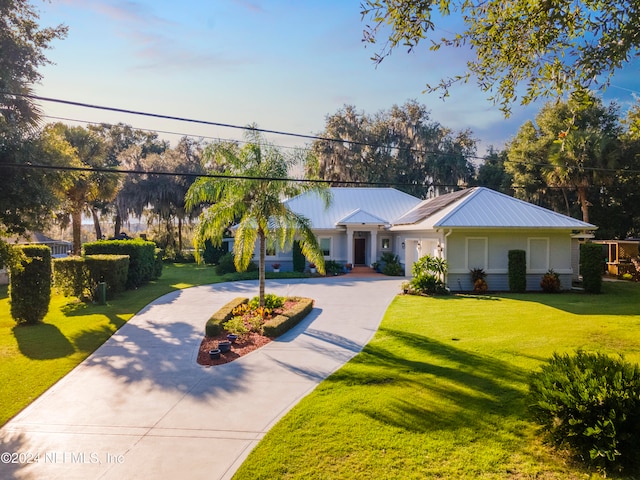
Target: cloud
251	6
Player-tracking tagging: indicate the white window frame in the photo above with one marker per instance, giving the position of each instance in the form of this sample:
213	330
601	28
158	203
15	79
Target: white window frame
546	255
485	240
320	239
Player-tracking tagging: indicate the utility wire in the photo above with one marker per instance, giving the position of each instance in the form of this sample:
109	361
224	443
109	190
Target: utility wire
224	125
214	175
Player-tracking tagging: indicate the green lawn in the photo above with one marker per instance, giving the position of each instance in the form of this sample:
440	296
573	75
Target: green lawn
440	390
34	357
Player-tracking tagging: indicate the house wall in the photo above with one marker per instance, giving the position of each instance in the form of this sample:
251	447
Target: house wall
546	250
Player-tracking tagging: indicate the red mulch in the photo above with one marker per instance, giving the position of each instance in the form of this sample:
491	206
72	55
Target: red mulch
243	345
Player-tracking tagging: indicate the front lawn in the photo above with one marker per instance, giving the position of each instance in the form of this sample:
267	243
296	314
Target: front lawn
32	358
440	390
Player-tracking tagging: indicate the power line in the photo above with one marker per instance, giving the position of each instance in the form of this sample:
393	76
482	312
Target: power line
215	175
225	125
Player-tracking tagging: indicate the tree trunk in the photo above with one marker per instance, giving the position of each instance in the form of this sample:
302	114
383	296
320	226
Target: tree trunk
180	234
584	203
261	266
76	226
96	223
117	225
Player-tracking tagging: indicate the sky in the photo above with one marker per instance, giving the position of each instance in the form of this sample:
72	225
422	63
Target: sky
283	65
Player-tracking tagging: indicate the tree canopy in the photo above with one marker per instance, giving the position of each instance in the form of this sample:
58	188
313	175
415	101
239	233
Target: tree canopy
521	49
401	147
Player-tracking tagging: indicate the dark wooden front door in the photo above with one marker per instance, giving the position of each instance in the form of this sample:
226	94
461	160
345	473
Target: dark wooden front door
358	251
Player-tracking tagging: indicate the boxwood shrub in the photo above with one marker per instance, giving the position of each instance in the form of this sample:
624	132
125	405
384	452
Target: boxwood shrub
142	258
517	271
30	285
590	403
282	323
213	326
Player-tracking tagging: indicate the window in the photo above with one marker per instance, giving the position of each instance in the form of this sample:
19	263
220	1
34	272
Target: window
325	246
538	255
386	243
477	255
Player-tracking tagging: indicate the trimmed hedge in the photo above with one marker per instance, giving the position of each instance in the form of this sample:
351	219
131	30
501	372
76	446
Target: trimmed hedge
517	271
71	276
214	324
112	269
591	267
30	285
79	276
142	258
283	323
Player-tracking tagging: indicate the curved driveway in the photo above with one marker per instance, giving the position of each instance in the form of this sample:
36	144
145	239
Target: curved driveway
140	406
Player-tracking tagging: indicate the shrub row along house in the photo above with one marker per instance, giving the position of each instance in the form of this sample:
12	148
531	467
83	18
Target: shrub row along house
470	229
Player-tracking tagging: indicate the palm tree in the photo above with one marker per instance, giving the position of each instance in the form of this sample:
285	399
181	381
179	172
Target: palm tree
254	203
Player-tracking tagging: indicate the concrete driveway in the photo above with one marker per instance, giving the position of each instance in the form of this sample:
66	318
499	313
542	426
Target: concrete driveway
140	406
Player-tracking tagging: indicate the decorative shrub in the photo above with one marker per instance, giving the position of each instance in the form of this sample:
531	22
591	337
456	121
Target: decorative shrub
428	273
236	326
517	271
550	282
271	301
332	267
390	265
299	262
590	403
142	258
591	267
478	276
71	277
158	264
30	285
226	265
214	324
282	323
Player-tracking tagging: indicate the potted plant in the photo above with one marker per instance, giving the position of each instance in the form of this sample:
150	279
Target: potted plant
276	267
348	266
478	276
214	354
312	268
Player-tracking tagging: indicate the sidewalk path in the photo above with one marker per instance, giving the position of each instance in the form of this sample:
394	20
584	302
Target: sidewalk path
141	407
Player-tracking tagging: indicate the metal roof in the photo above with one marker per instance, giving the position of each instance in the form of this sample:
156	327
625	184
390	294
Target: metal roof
484	207
429	207
373	205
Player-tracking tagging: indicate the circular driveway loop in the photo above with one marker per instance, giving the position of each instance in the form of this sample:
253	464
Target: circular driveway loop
140	406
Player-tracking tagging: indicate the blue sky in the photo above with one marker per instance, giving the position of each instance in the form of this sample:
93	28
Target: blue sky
284	65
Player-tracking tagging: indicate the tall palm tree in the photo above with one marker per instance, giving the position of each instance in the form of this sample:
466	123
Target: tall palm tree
254	203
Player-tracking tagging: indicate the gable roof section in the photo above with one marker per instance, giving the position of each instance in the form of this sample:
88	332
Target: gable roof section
485	208
369	205
361	217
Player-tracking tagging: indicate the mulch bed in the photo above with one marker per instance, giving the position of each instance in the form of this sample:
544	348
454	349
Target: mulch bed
243	345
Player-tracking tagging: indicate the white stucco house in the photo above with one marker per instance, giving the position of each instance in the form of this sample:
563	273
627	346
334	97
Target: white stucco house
471	228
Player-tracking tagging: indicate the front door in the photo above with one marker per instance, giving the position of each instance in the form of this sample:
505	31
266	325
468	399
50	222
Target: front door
359	251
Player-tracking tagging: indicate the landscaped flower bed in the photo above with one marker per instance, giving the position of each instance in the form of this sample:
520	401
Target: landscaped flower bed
255	326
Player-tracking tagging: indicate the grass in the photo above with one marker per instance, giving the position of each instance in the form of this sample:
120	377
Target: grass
34	357
440	391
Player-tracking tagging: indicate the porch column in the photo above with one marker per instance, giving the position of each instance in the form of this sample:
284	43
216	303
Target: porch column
374	247
350	246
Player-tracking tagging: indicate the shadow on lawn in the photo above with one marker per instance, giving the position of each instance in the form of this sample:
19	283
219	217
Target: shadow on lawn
462	389
42	341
